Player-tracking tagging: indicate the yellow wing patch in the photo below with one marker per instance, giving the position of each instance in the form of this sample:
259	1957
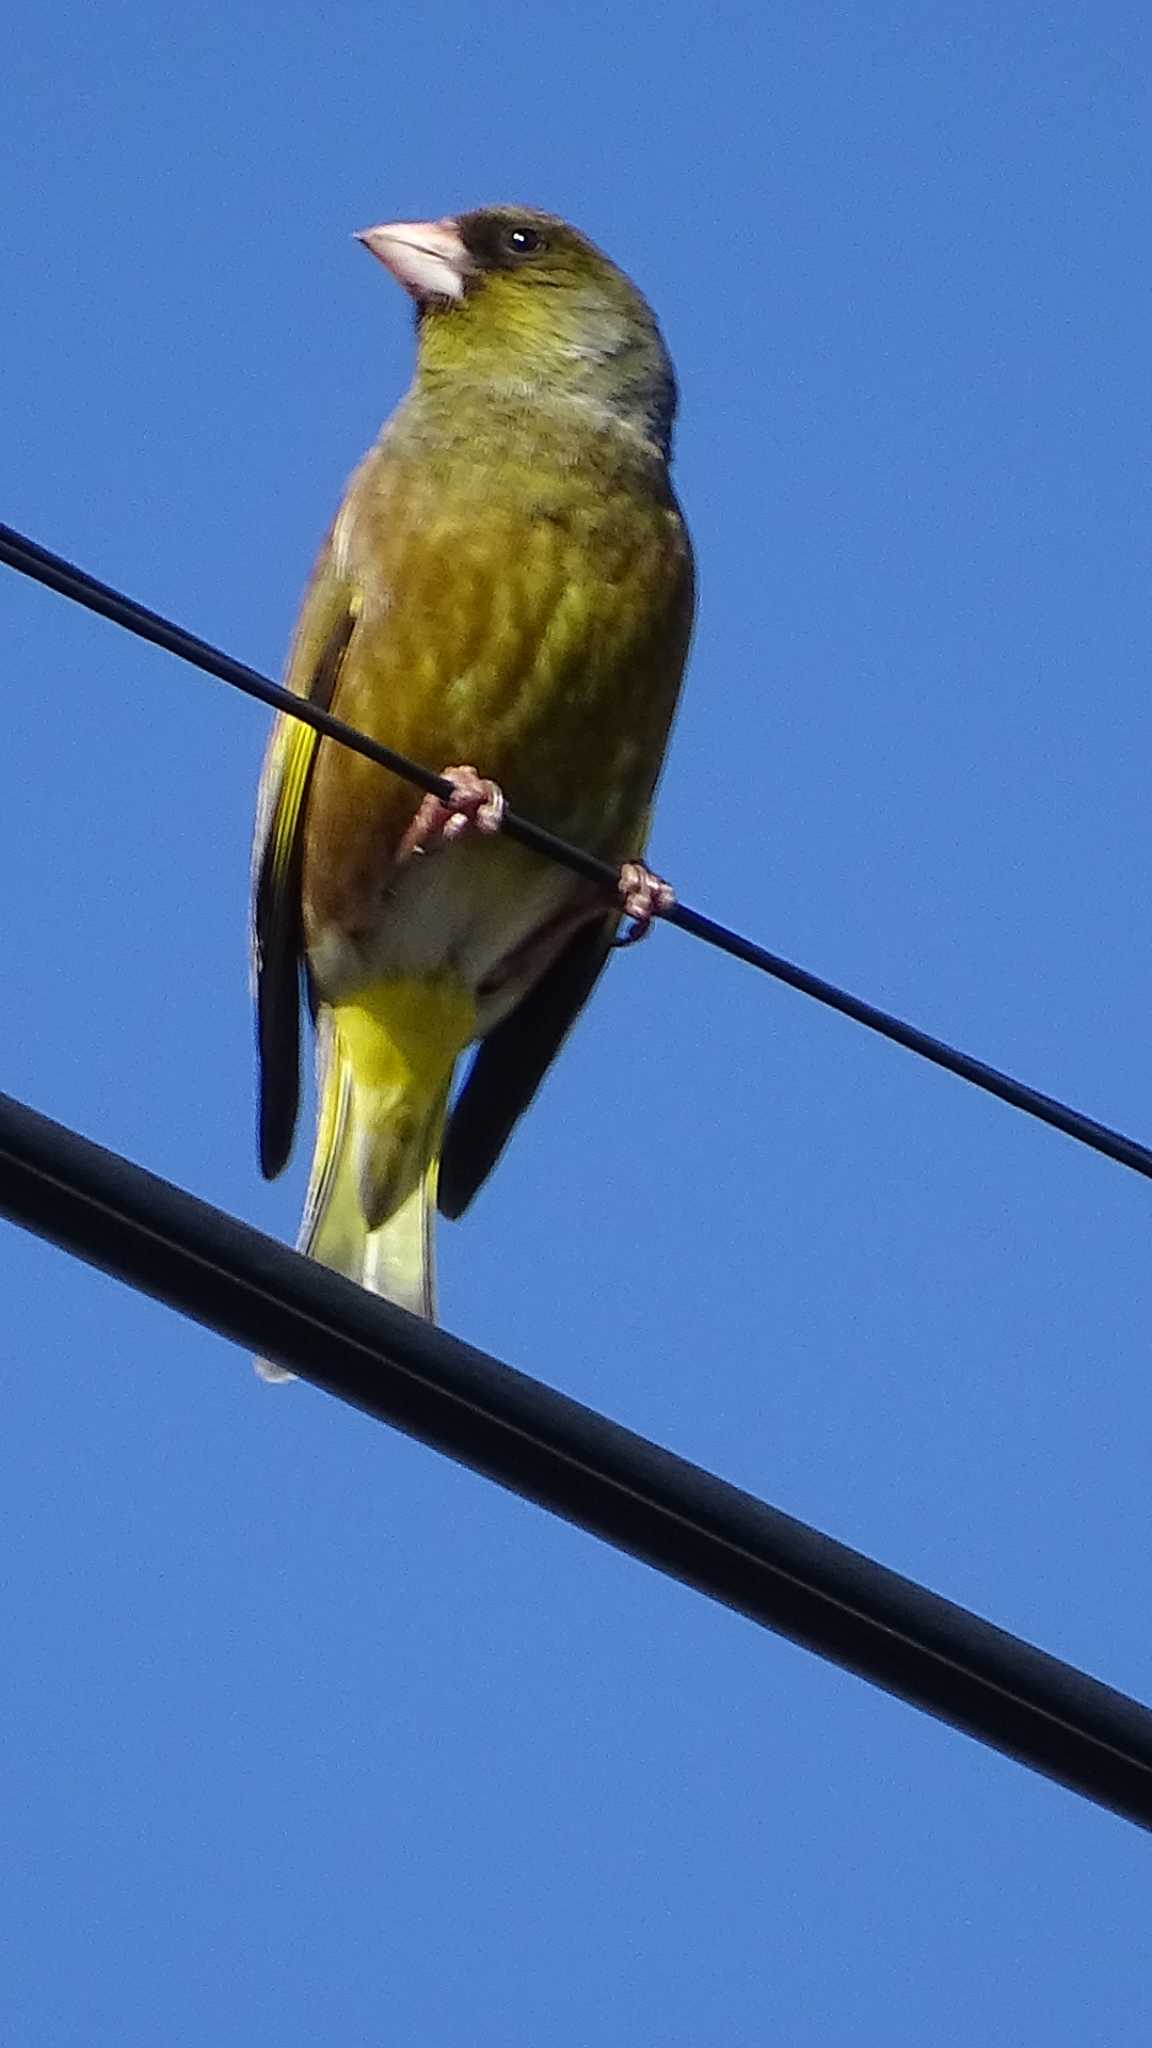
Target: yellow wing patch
282	788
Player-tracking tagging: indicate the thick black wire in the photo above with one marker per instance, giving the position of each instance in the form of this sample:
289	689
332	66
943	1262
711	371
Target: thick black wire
21	553
674	1516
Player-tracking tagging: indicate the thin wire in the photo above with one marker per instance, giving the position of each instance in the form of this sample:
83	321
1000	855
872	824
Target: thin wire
623	1489
25	555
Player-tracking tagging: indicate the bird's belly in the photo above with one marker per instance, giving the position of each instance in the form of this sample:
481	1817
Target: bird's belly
488	916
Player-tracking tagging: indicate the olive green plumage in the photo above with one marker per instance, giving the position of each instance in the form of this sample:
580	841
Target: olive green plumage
507	583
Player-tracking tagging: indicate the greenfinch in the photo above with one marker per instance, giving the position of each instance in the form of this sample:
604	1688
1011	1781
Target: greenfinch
505	596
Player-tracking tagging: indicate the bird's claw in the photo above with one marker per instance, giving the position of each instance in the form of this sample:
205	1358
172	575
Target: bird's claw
643	896
476	805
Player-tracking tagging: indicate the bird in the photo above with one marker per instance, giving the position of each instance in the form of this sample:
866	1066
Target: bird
507	588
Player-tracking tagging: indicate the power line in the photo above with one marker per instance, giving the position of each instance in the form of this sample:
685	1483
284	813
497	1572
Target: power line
629	1492
25	555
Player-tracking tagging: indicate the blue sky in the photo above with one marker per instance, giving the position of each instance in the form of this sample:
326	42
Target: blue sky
308	1735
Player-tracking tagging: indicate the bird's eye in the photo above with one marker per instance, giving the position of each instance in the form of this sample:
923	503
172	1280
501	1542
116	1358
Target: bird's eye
522	242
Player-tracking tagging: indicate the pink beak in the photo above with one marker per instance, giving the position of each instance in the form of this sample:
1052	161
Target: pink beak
427	257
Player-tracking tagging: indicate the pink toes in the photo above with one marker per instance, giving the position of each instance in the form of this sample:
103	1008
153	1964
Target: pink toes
643	896
477	805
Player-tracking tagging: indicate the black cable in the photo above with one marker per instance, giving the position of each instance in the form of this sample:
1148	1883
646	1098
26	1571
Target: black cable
674	1516
31	560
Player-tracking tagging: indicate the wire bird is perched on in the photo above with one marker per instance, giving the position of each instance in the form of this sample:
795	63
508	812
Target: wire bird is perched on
508	583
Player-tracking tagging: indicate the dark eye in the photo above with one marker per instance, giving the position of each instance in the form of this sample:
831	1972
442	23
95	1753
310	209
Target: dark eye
521	242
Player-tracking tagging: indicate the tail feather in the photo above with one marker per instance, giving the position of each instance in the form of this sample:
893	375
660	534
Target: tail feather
384	1068
400	1255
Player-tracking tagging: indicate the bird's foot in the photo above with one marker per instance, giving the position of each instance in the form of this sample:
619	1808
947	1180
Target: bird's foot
476	805
643	896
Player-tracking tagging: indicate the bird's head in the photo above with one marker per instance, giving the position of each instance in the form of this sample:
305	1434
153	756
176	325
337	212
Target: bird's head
524	304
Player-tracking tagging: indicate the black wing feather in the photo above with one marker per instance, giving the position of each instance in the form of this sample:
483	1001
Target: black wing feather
511	1063
279	943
